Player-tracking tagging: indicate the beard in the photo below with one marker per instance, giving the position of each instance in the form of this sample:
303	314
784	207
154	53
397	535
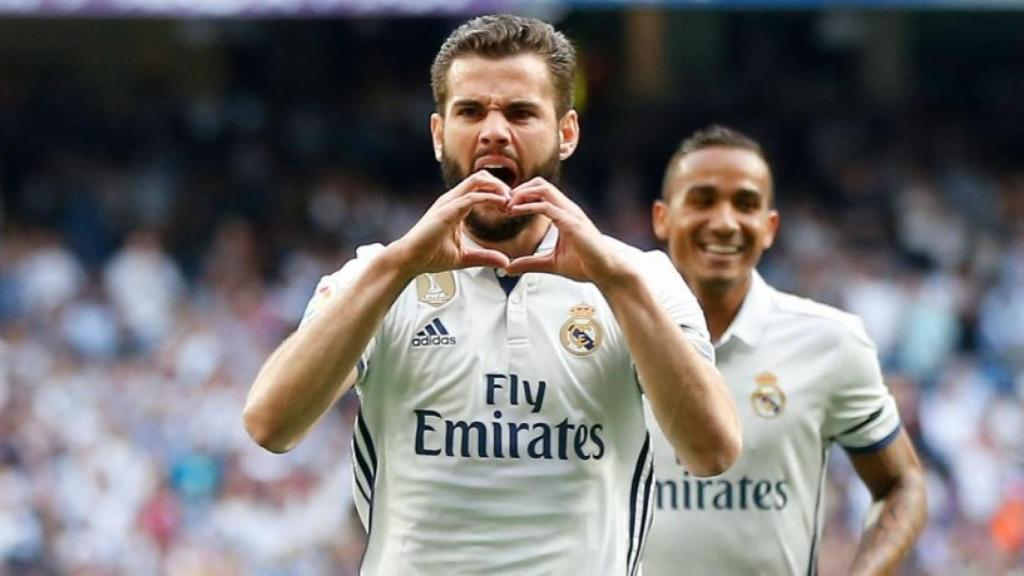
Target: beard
494	226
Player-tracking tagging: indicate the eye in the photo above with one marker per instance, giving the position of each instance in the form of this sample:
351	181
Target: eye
467	112
747	202
520	114
700	198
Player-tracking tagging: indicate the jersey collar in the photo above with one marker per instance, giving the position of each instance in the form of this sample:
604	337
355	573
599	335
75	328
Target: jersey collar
547	244
753	316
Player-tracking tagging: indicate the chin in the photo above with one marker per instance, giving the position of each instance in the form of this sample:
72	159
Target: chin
716	281
495	226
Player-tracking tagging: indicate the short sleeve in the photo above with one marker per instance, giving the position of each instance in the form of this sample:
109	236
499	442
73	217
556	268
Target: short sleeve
675	297
332	285
862	415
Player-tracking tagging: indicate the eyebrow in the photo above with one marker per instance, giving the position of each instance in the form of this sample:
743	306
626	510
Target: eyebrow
705	188
712	189
751	192
513	105
465	102
522	105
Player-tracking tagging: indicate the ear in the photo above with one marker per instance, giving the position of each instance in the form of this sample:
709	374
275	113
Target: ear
659	220
772	226
568	134
437	134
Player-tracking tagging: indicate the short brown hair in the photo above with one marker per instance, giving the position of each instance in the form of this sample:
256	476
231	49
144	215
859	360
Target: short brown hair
713	136
500	36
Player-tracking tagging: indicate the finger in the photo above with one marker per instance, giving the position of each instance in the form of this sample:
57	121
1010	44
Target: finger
481	180
548	209
535	263
546	189
533	188
524	195
457	209
476	182
482	257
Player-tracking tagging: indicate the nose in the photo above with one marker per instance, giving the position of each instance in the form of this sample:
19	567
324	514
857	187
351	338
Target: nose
723	219
494	132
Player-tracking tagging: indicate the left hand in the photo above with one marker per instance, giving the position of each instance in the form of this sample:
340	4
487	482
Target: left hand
582	252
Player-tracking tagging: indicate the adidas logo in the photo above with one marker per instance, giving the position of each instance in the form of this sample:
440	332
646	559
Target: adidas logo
433	334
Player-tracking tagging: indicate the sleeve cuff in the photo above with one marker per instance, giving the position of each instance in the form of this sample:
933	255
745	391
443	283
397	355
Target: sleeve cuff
875	447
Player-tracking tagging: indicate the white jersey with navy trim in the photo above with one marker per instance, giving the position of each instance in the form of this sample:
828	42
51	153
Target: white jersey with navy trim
804	375
504	433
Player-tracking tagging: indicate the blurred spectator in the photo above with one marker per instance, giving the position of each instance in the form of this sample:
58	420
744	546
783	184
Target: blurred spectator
145	285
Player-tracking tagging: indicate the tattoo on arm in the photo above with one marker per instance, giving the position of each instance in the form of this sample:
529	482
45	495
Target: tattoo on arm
896	481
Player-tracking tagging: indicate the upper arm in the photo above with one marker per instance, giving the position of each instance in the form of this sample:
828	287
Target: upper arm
862	414
676	298
883	469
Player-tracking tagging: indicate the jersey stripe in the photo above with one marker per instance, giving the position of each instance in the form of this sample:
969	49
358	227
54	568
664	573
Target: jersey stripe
364	432
874	416
359	484
648	515
368	476
365	461
642	466
812	562
648	512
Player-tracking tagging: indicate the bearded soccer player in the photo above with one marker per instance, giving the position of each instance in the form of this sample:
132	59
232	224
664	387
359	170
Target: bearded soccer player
500	347
804	376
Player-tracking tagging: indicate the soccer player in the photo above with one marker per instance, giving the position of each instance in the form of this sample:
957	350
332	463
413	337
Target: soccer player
804	376
501	346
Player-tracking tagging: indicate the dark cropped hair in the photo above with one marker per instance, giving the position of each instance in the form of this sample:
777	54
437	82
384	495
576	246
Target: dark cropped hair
713	136
500	36
717	135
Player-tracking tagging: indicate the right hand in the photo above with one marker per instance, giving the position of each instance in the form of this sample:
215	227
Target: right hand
435	243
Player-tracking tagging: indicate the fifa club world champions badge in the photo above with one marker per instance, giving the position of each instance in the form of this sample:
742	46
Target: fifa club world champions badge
768	398
435	289
582	333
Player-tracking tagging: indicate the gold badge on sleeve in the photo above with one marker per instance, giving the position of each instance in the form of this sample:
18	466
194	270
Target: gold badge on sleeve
435	289
582	333
768	398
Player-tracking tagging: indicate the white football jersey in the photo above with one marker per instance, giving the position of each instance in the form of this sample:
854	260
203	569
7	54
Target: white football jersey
803	375
504	433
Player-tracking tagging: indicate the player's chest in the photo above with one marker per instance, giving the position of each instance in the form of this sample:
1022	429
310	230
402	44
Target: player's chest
559	336
781	397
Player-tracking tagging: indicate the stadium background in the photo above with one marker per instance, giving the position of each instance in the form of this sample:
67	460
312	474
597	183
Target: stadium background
172	188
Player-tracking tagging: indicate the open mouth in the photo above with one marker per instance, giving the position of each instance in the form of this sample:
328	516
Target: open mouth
503	173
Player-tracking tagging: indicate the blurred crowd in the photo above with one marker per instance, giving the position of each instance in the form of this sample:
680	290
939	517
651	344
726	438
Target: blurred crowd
152	256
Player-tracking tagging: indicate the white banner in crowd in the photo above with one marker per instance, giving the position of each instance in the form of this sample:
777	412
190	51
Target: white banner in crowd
269	8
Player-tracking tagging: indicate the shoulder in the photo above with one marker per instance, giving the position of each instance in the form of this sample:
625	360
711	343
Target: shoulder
828	321
364	254
650	262
824	319
334	282
351	267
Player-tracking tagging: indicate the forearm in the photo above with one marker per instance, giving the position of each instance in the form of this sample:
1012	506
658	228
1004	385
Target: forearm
893	524
314	366
689	399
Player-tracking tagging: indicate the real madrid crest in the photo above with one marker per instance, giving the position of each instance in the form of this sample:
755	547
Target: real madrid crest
435	289
582	333
768	398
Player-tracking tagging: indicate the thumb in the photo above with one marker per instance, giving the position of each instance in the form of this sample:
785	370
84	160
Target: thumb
489	258
537	263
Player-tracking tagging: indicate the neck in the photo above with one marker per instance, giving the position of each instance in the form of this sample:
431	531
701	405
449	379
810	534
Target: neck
721	304
524	244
